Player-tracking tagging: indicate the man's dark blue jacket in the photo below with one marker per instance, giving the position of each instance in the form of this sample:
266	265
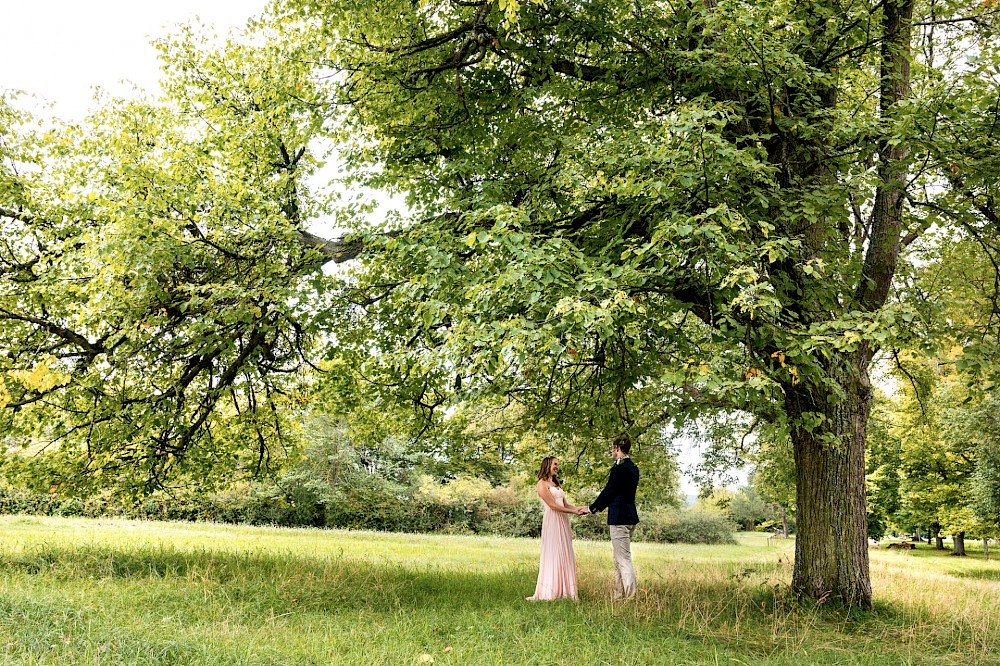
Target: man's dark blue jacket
618	496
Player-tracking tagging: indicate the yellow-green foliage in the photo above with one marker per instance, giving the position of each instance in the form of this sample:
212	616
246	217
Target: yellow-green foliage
42	377
464	490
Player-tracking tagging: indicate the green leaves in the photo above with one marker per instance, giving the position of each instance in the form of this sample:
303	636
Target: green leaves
617	214
166	275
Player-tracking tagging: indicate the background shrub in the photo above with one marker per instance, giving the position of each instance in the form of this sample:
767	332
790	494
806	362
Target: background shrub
339	483
686	526
374	503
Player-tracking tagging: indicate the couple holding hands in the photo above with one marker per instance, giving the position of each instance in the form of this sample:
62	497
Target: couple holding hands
557	566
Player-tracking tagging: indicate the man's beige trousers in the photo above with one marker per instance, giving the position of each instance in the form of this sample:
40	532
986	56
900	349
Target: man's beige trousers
621	543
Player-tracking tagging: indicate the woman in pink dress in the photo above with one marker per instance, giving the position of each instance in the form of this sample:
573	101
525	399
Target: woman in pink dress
557	566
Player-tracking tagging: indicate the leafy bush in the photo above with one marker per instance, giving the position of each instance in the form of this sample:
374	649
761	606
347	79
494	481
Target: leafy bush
687	526
372	502
474	506
18	500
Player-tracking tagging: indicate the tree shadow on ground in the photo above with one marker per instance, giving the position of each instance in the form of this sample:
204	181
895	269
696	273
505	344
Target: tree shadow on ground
745	607
981	574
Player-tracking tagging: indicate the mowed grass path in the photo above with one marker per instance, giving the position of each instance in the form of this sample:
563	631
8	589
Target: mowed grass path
112	592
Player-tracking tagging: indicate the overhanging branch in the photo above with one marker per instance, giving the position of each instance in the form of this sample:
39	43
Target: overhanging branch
342	249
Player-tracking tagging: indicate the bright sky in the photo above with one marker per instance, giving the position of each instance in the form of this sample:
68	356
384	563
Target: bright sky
61	49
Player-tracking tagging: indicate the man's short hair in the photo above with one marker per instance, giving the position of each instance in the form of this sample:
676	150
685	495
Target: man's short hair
623	443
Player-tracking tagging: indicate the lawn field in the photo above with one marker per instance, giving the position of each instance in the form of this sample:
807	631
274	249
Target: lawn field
110	592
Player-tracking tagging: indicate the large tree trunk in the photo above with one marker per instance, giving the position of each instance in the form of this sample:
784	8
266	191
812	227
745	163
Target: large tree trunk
831	550
831	546
938	539
959	540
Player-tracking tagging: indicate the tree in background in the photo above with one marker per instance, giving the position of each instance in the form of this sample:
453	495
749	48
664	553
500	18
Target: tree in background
748	510
961	282
928	443
987	476
882	479
936	468
762	451
773	476
660	485
986	488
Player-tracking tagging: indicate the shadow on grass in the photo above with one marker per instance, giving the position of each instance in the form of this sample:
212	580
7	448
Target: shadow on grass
283	581
343	583
44	631
746	606
981	574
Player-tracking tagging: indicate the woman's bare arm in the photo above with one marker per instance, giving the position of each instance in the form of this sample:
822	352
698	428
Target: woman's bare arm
545	493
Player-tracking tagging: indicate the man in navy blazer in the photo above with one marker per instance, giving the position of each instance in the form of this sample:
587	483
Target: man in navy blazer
618	497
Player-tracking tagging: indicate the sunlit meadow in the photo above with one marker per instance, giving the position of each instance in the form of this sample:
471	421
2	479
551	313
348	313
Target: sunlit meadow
80	591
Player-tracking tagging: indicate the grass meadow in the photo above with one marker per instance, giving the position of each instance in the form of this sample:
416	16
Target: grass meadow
113	592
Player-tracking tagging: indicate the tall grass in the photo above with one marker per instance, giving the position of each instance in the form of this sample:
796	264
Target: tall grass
120	592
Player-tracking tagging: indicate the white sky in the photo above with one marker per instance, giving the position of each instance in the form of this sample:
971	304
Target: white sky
60	50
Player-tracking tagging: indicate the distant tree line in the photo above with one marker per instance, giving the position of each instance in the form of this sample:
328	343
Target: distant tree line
340	482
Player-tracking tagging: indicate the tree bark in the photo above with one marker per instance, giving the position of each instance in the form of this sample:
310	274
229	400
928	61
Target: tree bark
890	195
338	250
831	545
938	539
959	540
784	523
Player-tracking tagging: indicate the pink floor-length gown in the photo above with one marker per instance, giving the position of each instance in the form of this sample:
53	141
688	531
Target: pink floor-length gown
557	566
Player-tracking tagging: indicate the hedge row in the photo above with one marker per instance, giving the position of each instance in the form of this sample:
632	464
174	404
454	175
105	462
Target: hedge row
371	505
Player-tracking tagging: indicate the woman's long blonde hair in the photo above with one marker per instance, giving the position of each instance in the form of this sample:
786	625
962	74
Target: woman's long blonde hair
545	471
